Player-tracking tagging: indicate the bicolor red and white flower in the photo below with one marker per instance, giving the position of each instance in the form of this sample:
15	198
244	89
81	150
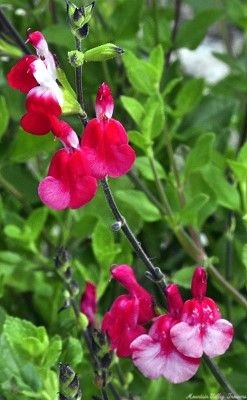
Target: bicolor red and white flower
129	312
155	355
106	140
201	329
36	76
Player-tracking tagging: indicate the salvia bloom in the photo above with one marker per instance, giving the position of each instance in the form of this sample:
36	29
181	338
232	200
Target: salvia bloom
175	342
129	312
69	183
155	355
36	76
201	328
106	140
88	302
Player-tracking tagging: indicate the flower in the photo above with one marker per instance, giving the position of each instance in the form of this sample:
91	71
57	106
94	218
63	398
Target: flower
106	140
88	302
68	184
201	328
154	353
128	313
36	76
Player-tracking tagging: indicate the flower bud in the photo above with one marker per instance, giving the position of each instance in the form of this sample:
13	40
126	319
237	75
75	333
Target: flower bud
69	383
76	58
199	283
103	52
79	16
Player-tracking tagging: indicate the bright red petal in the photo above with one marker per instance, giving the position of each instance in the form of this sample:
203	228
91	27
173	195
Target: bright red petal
36	123
107	148
20	77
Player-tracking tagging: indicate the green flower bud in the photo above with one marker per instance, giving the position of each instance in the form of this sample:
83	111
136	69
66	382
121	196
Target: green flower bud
82	321
76	58
79	16
69	383
103	52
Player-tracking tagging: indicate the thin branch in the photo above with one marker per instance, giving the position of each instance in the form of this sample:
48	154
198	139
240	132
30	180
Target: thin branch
13	33
155	273
221	379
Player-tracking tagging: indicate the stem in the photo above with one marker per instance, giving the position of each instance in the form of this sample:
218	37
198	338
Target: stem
79	85
130	235
165	202
156	22
225	385
177	11
13	33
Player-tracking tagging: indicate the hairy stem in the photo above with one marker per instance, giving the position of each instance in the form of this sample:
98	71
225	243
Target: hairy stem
79	84
130	236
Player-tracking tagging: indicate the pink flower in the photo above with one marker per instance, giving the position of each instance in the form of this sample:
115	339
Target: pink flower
106	140
201	328
128	313
68	184
88	302
154	353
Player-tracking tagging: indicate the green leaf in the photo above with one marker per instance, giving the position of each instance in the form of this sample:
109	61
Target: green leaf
201	154
154	117
140	203
192	32
244	260
226	194
138	139
142	75
189	96
26	146
103	244
9	49
189	215
143	165
157	59
183	277
58	35
36	221
134	108
4	116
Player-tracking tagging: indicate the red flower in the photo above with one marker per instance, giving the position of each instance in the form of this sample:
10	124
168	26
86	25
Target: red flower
68	184
201	328
128	313
154	353
106	140
20	76
88	302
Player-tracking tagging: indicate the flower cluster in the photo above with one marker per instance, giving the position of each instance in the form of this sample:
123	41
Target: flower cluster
173	346
74	170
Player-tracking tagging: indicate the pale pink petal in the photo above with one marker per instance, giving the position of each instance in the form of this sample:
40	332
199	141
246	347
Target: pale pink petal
147	356
53	193
217	338
178	369
187	339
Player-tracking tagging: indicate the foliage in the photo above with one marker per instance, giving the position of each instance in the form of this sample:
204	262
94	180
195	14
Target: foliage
189	177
